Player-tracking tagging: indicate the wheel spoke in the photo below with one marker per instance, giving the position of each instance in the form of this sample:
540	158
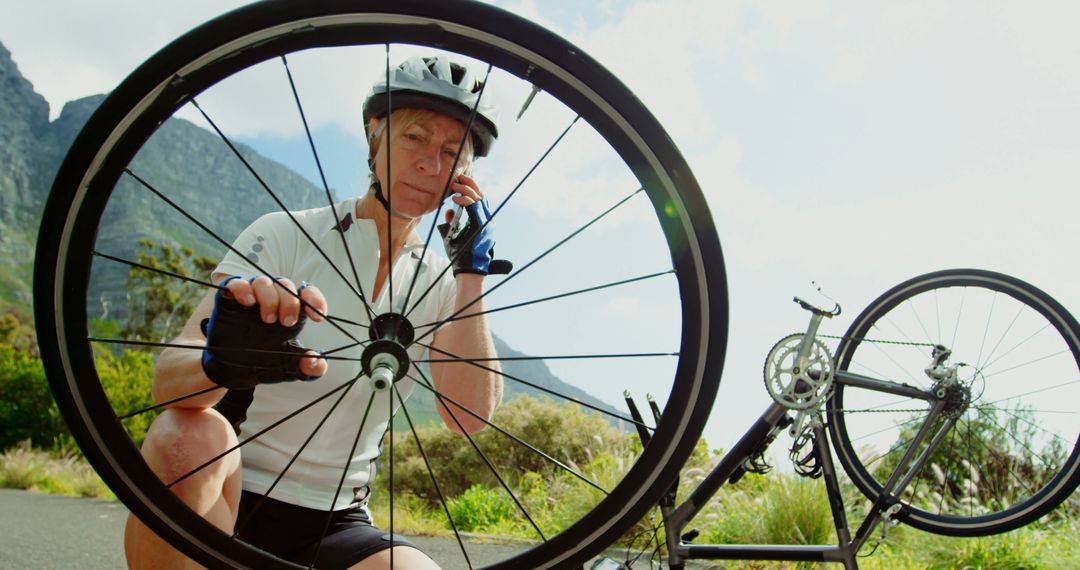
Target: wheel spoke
359	290
537	386
168	403
341	481
550	298
959	313
388	192
946	469
1038	427
990	357
937	313
254	436
446	188
444	398
156	270
919	320
1032	392
559	357
243	524
495	213
328	355
431	474
905	369
529	264
210	285
1019	479
214	235
284	209
894	448
998	359
483	456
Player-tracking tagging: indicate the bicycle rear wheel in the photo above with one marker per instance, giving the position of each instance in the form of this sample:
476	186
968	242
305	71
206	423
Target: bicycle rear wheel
85	253
1014	454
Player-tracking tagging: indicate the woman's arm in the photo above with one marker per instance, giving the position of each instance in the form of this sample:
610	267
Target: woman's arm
476	388
179	372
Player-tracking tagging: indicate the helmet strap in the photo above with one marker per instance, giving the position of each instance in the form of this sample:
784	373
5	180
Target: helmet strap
376	188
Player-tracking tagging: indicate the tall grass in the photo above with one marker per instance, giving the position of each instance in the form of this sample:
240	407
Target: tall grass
23	467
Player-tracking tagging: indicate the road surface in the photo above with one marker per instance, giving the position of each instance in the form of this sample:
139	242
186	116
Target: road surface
52	531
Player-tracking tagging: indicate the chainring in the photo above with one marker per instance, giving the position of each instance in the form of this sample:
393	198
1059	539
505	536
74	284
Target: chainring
798	385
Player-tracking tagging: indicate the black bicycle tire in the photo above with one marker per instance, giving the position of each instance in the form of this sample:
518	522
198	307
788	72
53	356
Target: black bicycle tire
1041	502
132	113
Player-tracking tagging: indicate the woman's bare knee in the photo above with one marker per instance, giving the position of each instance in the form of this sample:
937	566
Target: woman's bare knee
184	448
404	557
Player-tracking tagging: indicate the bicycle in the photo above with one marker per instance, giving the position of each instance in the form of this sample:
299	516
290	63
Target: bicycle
959	419
676	273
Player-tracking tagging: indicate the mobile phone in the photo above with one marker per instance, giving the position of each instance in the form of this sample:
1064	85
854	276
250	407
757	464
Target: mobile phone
456	224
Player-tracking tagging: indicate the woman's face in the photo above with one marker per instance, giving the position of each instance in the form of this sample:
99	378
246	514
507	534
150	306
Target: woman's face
420	159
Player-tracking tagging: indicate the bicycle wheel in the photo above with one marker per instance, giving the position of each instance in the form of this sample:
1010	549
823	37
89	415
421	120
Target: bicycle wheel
89	243
1013	453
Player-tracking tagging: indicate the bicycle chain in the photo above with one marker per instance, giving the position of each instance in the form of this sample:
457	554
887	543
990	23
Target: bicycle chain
864	339
906	411
878	341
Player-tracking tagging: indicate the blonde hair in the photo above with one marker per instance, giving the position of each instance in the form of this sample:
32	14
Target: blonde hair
401	120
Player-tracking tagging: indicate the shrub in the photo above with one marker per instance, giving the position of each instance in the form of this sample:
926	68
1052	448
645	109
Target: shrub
27	410
481	509
566	432
552	496
126	380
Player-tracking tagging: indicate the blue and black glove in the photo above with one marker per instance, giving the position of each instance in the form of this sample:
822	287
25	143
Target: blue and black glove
242	351
471	247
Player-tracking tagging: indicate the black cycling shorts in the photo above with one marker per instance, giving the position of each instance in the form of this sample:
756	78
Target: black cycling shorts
292	532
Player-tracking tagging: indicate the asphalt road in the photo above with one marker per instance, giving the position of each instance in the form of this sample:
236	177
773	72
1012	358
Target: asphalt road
51	531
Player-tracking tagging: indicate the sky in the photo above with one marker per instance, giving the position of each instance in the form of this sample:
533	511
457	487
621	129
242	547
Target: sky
849	144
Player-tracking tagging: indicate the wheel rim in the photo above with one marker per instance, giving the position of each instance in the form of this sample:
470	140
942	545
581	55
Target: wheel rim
1013	455
127	123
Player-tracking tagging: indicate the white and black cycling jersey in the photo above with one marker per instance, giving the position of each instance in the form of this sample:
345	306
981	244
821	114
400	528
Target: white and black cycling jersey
276	245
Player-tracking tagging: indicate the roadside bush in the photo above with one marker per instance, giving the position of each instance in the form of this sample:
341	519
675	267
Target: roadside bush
127	379
480	509
573	436
27	410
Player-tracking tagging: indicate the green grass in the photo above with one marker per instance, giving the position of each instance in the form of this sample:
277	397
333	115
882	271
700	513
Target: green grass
23	467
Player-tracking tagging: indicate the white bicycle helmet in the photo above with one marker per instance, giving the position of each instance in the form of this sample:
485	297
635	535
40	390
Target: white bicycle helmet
436	84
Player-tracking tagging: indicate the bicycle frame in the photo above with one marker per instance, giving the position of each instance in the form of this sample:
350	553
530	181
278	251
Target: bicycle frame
886	509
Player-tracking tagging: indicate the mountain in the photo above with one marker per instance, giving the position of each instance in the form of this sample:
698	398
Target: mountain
24	124
181	160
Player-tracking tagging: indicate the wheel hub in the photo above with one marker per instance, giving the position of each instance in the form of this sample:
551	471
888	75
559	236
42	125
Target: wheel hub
385	360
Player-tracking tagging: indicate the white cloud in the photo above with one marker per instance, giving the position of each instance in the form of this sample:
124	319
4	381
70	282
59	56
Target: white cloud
71	50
